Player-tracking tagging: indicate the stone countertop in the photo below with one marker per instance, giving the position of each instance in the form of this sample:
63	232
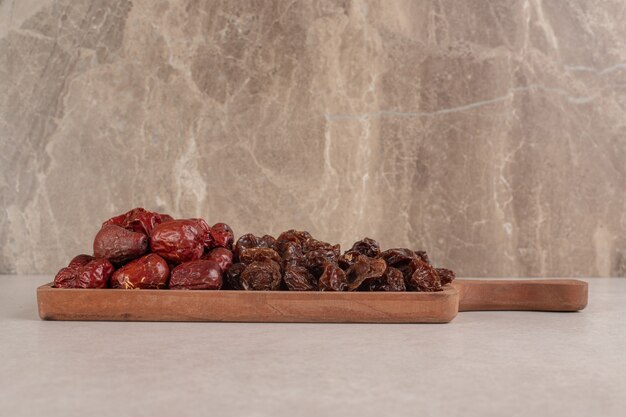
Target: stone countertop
483	363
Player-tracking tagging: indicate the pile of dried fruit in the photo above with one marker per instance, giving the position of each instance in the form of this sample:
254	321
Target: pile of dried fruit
141	249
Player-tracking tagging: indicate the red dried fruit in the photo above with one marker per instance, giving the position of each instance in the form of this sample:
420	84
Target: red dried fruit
333	279
80	260
119	245
261	276
222	235
148	272
180	240
222	256
197	275
298	278
94	274
138	220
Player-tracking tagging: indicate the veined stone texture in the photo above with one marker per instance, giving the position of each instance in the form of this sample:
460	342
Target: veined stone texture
492	134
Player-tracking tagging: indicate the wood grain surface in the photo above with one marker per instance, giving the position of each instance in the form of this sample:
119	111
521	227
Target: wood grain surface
247	306
521	294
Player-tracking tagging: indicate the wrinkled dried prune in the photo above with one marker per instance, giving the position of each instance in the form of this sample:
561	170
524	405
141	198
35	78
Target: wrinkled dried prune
364	270
424	277
201	274
222	235
249	240
317	245
119	245
446	276
423	256
261	276
93	274
290	253
232	277
80	260
368	247
348	258
392	280
333	279
250	255
180	240
148	272
222	256
139	220
316	260
295	236
298	278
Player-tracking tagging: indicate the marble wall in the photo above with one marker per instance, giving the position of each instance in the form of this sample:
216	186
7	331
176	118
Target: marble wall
491	133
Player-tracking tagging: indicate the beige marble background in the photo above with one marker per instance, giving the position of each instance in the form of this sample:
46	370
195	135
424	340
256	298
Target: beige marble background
491	133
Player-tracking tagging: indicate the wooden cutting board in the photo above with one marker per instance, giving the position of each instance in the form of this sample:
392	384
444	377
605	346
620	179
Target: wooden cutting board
318	307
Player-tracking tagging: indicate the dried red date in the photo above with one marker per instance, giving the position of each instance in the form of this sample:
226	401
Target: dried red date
222	235
222	256
196	275
119	245
424	277
139	220
298	278
80	260
333	279
180	240
93	274
261	276
148	272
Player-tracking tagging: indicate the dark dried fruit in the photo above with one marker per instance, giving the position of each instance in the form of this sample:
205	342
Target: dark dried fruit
424	277
259	254
392	280
298	278
119	245
222	235
333	279
138	220
423	256
261	276
222	256
446	276
317	245
291	253
346	260
197	275
364	270
368	247
249	240
148	272
295	236
180	240
93	274
316	260
232	277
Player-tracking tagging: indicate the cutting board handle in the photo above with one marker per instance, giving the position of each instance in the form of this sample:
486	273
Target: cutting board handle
521	294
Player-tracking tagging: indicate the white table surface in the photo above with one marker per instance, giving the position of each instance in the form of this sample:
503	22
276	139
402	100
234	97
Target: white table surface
483	364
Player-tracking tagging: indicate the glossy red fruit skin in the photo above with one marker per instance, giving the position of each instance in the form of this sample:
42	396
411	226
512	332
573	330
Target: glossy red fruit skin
222	235
94	274
179	240
80	260
139	220
119	245
201	274
148	272
222	256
